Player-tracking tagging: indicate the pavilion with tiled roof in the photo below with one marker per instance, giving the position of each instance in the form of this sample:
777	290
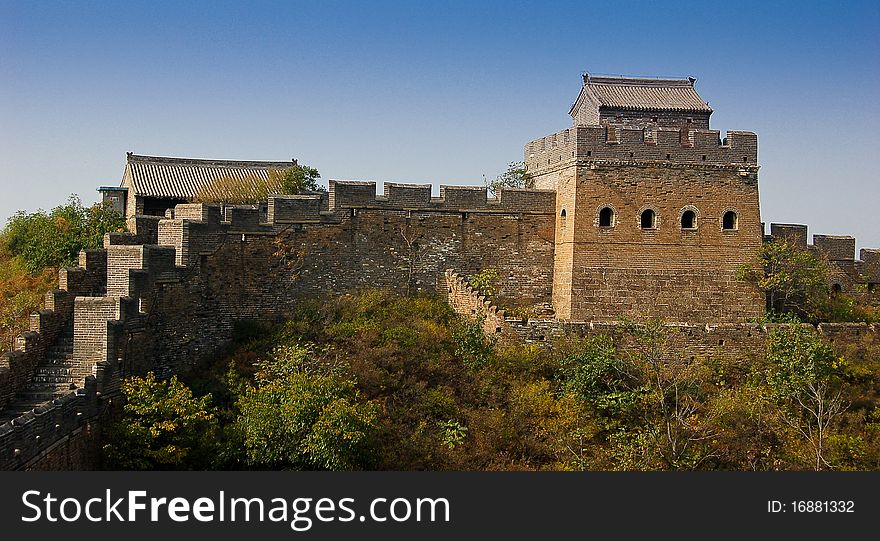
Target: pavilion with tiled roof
152	184
640	101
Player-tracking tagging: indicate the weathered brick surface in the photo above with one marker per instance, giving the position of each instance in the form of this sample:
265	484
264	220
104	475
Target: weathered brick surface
89	278
687	275
621	143
627	117
465	300
837	248
860	276
17	366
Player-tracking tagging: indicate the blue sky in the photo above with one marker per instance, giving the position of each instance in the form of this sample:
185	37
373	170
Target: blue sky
440	92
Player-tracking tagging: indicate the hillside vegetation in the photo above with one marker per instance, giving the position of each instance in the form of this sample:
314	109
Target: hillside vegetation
32	249
379	381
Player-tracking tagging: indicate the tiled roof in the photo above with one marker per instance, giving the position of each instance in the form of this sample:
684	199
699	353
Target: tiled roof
644	94
183	178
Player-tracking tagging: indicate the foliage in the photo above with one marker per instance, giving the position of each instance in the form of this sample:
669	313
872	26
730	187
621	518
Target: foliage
589	368
803	375
516	176
33	246
164	427
796	283
20	294
248	190
41	240
384	381
299	179
486	282
471	345
453	433
300	415
671	391
252	189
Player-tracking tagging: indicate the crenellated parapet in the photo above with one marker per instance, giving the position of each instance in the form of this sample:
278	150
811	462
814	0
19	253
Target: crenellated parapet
283	209
27	439
472	304
840	251
89	278
453	198
619	143
48	325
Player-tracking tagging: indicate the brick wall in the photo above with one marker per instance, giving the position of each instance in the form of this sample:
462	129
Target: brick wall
621	143
628	117
465	300
17	366
686	275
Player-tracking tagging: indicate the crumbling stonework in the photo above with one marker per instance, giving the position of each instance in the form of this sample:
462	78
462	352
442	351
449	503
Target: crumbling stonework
640	210
848	274
168	293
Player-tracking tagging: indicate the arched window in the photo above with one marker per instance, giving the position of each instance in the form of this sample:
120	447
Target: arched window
648	219
688	219
836	288
562	218
729	220
606	217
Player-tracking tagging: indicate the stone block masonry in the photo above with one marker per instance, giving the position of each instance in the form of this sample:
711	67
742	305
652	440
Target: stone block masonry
733	342
466	301
854	276
163	297
641	211
619	143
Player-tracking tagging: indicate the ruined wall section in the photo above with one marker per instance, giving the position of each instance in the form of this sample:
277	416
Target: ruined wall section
465	300
746	342
859	276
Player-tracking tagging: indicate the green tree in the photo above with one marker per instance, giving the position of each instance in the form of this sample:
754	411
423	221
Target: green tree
299	179
794	279
472	346
804	375
516	176
670	387
20	294
55	239
299	415
486	282
164	427
590	370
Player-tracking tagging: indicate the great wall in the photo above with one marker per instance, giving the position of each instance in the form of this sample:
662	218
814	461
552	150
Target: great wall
647	213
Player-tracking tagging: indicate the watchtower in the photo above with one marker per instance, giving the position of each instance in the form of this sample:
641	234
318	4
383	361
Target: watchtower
654	211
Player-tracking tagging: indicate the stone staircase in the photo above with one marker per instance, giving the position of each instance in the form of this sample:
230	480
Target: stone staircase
56	376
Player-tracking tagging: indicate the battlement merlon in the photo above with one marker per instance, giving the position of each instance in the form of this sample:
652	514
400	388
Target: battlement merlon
836	247
650	144
347	194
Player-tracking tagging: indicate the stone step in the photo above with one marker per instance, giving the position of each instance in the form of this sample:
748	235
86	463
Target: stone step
46	393
53	379
19	408
53	370
56	359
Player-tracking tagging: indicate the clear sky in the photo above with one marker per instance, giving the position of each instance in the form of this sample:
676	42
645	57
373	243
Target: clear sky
440	92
